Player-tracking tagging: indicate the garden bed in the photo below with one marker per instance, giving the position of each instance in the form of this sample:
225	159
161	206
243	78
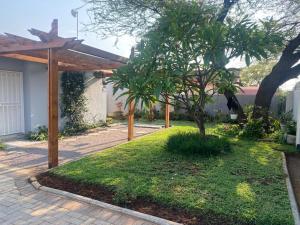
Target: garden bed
246	186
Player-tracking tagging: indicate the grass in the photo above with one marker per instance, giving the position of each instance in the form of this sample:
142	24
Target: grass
247	184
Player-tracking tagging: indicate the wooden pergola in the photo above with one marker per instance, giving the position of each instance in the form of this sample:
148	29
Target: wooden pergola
61	54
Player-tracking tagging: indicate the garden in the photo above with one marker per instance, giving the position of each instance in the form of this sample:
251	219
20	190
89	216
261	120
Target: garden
234	181
205	170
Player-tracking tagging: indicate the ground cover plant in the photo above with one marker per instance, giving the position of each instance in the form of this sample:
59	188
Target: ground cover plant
1	146
245	186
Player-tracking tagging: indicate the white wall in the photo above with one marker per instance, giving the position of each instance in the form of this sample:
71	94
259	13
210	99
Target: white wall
96	97
112	101
35	88
35	95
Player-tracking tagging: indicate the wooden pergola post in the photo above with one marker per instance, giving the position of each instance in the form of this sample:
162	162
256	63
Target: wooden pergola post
53	103
60	54
131	120
167	113
131	110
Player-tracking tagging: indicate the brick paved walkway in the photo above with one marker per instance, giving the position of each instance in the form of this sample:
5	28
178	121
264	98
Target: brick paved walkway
20	203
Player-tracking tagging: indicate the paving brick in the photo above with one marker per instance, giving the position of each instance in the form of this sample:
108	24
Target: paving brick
21	204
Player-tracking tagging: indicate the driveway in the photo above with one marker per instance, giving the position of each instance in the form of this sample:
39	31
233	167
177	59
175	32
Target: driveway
20	203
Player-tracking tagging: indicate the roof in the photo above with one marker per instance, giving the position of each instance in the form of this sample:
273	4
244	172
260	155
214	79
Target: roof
72	54
251	90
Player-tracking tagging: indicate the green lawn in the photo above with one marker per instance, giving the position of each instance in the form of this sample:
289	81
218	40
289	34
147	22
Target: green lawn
247	184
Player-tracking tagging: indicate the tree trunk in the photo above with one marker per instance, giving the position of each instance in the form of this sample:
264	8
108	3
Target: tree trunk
238	109
269	86
200	123
286	69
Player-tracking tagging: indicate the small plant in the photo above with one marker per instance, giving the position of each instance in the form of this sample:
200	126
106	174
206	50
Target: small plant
253	129
286	118
40	134
2	146
191	143
277	136
291	128
229	130
109	121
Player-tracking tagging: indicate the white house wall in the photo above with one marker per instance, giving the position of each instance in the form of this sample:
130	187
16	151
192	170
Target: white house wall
96	100
35	86
35	95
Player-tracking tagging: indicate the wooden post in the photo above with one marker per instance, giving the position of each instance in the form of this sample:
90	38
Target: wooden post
131	110
167	113
53	102
130	120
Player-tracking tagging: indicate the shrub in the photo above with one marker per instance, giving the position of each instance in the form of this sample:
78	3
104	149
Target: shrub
2	146
286	117
73	101
40	134
228	129
291	128
109	121
253	129
277	136
191	143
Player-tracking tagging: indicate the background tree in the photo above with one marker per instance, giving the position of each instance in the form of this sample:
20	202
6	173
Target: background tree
182	56
136	17
255	73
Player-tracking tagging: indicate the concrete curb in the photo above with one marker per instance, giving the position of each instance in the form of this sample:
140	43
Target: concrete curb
148	126
292	198
149	218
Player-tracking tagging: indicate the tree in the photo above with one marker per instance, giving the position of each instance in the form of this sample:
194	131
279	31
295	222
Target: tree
288	67
183	55
136	17
254	74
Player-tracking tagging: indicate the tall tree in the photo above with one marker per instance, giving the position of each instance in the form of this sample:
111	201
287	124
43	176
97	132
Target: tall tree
288	67
182	57
135	17
255	73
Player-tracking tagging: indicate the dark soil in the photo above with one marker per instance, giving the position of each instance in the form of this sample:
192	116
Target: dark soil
141	205
293	165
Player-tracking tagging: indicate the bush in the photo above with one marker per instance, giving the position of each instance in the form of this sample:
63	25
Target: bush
253	129
228	130
41	134
278	136
291	128
2	146
191	143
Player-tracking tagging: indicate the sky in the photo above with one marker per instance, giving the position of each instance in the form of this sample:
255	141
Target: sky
17	16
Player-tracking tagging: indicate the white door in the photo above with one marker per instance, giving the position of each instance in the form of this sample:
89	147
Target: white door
11	103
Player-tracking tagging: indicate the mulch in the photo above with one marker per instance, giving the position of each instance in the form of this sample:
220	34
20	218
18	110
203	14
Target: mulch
142	205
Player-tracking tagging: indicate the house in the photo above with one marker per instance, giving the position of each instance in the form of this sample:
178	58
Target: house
24	82
293	105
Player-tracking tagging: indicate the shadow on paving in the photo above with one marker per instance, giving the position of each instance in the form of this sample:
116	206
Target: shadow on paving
72	148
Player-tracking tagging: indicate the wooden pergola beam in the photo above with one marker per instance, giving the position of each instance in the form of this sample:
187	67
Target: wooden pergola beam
59	54
17	47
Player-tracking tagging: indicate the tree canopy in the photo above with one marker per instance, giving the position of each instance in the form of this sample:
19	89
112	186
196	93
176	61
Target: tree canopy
182	56
254	74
